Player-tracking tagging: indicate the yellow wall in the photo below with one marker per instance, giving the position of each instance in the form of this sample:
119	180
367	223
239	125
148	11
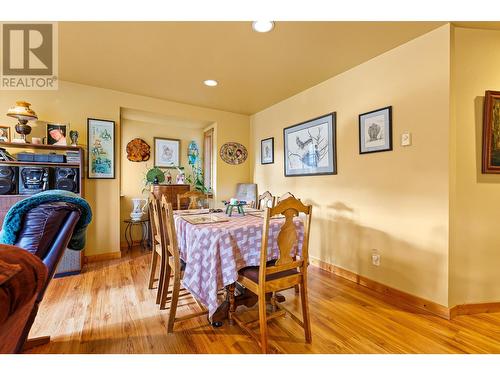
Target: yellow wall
395	202
73	103
475	202
147	127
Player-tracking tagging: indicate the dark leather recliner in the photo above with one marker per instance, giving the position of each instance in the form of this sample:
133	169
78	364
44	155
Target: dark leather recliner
46	232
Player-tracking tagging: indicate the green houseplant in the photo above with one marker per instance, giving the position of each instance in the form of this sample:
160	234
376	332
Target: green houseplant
153	175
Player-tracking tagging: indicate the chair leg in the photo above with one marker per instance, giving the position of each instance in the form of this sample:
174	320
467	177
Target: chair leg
165	285
305	312
173	304
152	272
34	342
161	279
296	287
263	323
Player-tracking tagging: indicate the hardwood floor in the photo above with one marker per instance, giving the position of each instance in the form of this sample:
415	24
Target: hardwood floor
108	309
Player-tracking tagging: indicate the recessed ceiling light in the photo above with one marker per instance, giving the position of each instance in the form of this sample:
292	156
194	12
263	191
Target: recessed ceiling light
210	82
262	26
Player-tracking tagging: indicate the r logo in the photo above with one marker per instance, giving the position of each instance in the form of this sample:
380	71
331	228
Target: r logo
27	49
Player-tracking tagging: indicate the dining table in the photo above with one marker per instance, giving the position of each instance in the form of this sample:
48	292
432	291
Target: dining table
215	246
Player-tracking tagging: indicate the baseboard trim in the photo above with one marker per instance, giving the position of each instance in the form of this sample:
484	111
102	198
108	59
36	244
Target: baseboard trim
475	308
398	297
102	257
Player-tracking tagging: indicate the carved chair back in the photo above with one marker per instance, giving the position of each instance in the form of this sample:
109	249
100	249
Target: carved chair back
287	238
194	197
285	196
169	224
266	199
156	224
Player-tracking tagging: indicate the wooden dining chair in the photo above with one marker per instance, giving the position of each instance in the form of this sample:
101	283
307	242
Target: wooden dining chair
158	246
285	196
194	197
176	269
264	200
280	274
282	198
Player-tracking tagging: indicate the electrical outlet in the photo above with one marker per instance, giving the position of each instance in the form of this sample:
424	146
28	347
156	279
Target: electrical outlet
376	259
406	139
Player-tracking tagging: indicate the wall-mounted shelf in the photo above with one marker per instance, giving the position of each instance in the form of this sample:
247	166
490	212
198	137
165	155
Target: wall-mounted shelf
40	147
39	163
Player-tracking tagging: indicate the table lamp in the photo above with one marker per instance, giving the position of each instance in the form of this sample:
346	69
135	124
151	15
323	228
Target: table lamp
23	113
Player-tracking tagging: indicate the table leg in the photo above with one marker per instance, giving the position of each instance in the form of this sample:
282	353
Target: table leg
127	230
232	305
144	230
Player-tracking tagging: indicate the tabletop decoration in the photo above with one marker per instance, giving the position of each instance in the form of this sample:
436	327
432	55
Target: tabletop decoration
234	203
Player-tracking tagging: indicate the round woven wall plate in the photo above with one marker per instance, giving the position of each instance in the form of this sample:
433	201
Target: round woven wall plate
138	150
233	153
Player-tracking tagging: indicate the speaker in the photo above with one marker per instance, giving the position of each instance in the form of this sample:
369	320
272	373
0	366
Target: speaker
8	180
33	180
67	179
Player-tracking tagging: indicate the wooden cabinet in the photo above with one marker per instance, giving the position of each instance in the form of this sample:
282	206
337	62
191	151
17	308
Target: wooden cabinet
170	192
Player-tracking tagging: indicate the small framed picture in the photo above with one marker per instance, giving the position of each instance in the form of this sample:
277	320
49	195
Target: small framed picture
167	152
267	151
4	133
101	148
56	134
375	131
491	132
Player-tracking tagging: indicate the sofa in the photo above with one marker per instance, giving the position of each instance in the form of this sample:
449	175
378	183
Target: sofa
44	236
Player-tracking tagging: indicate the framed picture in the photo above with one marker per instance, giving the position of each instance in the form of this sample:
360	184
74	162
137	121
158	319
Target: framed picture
267	151
310	147
56	134
375	131
4	133
100	148
167	152
491	132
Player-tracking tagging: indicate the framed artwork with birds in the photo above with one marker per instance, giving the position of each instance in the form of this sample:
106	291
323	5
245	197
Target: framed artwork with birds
310	147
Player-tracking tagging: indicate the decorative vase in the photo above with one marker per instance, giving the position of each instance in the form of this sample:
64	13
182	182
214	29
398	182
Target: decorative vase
138	209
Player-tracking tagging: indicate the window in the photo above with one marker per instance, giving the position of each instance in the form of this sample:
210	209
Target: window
208	146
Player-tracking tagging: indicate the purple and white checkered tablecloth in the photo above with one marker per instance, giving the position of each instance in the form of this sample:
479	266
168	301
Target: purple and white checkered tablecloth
215	252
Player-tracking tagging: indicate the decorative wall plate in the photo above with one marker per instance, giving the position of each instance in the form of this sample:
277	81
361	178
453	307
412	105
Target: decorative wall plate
233	153
138	150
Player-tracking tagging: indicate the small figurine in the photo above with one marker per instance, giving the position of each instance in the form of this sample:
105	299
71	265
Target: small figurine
169	178
73	135
181	177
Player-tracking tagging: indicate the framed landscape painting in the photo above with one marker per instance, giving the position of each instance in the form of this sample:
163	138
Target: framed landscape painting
267	151
100	148
167	152
375	131
491	132
310	147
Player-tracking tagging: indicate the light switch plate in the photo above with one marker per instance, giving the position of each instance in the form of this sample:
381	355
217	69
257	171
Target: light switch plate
406	139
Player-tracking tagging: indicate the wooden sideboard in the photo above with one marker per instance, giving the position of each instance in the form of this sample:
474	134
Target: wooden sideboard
170	192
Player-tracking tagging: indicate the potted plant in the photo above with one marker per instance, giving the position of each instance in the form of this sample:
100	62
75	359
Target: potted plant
196	178
153	176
